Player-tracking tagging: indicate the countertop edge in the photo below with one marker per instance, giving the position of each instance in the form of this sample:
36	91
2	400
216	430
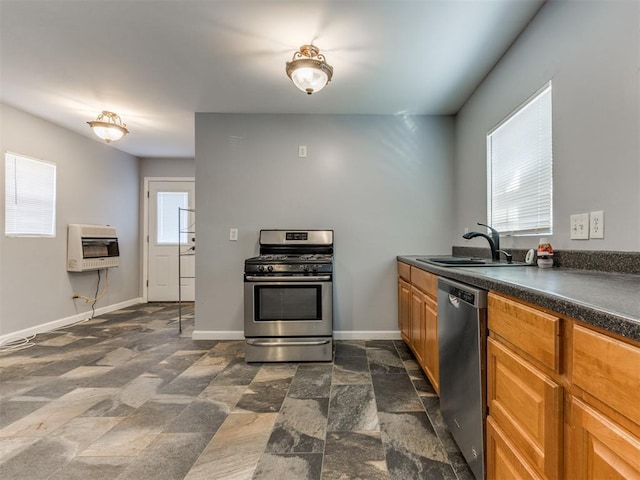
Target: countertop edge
610	321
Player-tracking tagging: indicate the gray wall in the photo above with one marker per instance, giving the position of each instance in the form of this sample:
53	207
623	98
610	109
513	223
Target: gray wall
95	184
383	183
167	167
590	50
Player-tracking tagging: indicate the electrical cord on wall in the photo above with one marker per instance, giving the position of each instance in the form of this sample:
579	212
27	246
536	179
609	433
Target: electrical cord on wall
17	343
13	344
96	297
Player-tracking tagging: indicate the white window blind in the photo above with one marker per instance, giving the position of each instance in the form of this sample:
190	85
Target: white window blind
519	169
30	197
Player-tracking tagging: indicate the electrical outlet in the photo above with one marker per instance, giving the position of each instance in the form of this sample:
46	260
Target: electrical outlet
580	226
596	224
302	151
233	234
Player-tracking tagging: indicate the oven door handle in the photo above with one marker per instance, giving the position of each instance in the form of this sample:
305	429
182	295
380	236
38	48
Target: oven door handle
288	278
265	343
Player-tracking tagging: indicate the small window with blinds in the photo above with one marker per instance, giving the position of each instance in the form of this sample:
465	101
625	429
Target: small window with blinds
519	169
30	197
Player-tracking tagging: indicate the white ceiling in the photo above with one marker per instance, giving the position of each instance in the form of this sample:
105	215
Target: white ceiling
156	62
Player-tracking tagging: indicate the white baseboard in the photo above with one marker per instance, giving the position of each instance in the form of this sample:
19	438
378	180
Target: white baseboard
63	322
367	335
217	335
338	335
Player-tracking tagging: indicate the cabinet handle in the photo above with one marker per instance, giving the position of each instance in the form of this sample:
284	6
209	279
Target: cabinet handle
262	343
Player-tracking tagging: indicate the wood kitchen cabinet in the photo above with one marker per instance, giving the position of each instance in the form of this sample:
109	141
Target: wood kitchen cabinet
600	448
524	393
418	323
404	301
563	398
431	358
503	458
605	407
418	317
527	405
424	312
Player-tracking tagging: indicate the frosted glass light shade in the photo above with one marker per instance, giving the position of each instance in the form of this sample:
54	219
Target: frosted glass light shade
108	133
309	80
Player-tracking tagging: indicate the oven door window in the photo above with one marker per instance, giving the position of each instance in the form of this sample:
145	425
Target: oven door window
294	302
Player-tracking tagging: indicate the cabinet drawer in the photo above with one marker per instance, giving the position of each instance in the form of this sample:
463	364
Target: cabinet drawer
425	281
535	332
608	369
601	449
404	271
528	406
503	460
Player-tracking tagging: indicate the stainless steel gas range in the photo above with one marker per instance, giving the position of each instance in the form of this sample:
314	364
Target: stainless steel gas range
288	297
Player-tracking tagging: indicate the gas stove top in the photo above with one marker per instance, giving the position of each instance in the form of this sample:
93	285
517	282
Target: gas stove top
291	258
289	252
289	264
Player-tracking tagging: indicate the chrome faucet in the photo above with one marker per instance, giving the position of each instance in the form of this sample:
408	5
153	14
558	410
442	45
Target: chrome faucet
494	242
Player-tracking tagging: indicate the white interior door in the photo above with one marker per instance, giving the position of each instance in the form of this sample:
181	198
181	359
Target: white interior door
171	240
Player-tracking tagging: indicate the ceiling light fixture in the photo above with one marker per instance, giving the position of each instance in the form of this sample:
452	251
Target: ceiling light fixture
109	127
309	70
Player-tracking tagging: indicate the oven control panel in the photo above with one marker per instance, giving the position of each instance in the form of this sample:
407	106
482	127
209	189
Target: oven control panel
297	236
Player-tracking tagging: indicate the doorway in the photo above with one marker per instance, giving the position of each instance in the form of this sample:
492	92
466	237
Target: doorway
170	239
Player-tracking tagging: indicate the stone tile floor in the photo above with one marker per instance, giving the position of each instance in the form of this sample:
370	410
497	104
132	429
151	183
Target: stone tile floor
125	396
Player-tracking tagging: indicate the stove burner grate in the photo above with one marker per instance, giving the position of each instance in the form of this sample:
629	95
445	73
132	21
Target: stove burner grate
272	257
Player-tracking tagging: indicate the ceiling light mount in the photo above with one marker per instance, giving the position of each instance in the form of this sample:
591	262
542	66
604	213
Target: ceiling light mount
109	126
309	70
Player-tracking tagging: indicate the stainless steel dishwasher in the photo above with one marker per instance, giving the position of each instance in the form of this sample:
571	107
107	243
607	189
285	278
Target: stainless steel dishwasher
462	312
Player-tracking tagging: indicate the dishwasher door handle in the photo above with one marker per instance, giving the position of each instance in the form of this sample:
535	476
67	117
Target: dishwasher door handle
454	301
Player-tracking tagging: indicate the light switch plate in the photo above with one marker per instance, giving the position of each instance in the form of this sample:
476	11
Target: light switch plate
233	234
596	224
580	226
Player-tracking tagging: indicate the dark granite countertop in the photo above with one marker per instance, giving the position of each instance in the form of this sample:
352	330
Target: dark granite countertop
604	299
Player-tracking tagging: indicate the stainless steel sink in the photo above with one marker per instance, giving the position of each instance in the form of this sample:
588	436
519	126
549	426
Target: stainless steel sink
444	261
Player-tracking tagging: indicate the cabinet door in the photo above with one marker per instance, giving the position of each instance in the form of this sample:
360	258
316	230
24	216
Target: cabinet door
600	449
430	357
417	324
503	460
607	369
404	310
527	405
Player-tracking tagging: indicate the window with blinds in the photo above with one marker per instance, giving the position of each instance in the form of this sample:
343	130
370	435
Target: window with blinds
30	197
519	169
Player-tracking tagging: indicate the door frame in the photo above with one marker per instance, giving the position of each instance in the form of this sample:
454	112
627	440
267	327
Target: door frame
145	227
